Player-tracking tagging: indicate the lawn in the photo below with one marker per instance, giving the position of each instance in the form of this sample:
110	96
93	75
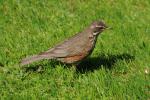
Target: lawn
118	69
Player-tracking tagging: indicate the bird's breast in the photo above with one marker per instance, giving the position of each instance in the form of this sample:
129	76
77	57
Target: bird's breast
90	45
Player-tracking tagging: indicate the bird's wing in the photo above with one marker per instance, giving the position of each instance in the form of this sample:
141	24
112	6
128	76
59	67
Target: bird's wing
70	47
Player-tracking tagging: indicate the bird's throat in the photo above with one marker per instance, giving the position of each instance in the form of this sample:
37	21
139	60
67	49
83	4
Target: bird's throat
95	33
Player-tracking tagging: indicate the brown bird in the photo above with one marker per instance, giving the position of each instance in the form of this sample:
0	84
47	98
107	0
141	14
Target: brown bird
74	49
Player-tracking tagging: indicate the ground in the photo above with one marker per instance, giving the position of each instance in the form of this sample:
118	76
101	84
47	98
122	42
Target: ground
118	68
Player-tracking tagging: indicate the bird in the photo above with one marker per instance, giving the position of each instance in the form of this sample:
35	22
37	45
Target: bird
72	50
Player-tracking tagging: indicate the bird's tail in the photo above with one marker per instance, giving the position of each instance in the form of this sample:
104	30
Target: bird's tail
31	59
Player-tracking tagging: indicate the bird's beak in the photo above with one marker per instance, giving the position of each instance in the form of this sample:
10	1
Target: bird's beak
108	28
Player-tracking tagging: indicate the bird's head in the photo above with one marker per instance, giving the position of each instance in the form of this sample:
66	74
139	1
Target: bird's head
98	27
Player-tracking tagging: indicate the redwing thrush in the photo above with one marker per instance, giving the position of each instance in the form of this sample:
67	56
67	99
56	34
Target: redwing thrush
74	49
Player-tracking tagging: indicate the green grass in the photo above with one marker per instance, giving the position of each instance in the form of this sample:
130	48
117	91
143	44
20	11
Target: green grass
116	70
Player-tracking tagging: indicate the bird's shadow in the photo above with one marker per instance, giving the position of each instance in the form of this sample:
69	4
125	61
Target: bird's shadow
107	62
88	65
